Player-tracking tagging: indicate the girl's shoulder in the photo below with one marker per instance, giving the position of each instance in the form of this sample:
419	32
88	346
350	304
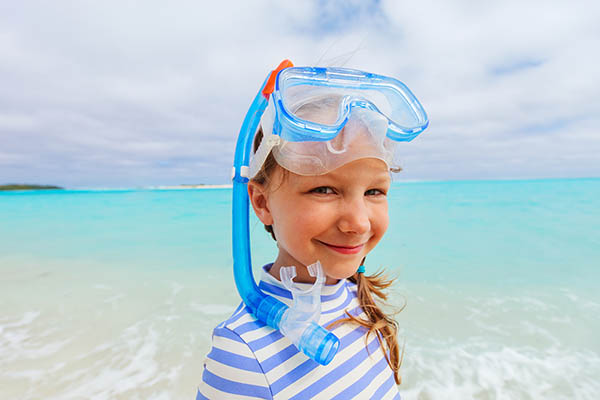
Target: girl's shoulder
231	368
242	326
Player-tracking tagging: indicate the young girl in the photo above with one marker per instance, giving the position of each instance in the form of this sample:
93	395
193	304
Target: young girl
318	181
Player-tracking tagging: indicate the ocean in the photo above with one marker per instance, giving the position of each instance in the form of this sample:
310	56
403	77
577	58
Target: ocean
113	294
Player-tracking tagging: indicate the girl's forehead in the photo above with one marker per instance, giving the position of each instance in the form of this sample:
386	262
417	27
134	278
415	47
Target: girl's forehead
366	170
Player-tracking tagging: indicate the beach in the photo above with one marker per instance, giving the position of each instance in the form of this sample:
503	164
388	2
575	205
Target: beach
114	294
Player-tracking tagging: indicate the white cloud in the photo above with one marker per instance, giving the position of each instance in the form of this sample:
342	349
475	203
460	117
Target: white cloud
119	93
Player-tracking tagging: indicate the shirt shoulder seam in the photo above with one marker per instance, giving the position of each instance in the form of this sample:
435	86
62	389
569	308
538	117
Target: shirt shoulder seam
259	364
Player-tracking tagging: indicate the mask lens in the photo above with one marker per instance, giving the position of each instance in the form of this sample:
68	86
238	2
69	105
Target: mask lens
330	105
316	103
312	103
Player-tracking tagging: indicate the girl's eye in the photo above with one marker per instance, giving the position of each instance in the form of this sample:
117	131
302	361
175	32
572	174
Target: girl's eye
323	190
374	192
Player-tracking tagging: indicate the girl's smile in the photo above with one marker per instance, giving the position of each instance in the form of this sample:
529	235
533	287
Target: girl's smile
344	249
336	218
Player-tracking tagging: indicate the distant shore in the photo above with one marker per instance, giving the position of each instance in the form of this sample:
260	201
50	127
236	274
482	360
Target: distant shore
15	186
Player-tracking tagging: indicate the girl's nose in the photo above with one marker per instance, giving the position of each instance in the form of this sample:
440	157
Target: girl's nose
354	217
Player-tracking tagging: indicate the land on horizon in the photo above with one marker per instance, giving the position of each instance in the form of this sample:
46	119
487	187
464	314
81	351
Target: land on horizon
25	186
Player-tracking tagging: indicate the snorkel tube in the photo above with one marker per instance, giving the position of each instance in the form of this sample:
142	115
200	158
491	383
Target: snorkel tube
315	341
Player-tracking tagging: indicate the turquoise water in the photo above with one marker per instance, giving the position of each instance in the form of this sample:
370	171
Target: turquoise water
491	233
500	279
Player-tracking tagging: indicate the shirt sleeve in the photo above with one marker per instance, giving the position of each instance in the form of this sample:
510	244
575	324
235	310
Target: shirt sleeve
231	370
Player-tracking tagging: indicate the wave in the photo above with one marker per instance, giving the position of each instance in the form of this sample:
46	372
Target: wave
473	370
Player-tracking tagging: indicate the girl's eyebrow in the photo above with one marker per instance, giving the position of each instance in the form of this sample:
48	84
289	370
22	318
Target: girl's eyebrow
382	177
376	176
377	179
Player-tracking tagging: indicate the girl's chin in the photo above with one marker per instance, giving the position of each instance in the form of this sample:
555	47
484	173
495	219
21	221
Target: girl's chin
340	273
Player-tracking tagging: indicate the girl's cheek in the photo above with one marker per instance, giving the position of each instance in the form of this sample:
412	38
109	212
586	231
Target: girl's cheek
383	219
311	212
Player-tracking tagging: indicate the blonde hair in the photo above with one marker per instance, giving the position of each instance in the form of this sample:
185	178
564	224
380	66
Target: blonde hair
377	321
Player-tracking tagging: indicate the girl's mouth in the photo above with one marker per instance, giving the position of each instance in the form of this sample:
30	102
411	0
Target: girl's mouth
345	249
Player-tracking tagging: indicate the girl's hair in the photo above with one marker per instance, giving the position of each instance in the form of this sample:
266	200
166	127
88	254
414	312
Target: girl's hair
377	321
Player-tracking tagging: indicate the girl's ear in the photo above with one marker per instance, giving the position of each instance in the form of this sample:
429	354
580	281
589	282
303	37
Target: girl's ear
258	198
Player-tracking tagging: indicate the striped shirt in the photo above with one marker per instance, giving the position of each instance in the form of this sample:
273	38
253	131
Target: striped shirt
250	360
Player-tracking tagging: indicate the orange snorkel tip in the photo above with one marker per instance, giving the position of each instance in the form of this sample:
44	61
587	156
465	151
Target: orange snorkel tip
270	85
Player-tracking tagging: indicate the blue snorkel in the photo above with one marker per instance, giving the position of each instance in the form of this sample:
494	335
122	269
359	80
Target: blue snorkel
316	342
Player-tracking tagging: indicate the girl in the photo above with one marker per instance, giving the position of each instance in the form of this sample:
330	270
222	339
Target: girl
318	181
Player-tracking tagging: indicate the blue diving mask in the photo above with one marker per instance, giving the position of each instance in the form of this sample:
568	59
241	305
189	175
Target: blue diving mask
313	120
319	119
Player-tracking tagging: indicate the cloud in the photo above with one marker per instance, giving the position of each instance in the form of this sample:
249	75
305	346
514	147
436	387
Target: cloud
141	93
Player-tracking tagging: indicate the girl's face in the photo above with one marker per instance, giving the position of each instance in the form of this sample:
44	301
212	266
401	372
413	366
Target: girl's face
336	218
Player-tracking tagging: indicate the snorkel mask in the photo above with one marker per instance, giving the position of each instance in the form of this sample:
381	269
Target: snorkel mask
316	120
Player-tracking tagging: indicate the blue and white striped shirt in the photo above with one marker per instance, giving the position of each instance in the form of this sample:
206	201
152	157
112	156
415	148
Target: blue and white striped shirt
250	360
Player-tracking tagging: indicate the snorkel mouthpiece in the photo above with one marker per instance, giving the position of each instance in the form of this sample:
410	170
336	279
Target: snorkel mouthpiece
300	323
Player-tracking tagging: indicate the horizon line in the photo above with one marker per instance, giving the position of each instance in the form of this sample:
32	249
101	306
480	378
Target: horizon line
230	185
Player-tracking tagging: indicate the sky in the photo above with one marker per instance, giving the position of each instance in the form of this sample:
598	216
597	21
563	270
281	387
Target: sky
144	93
